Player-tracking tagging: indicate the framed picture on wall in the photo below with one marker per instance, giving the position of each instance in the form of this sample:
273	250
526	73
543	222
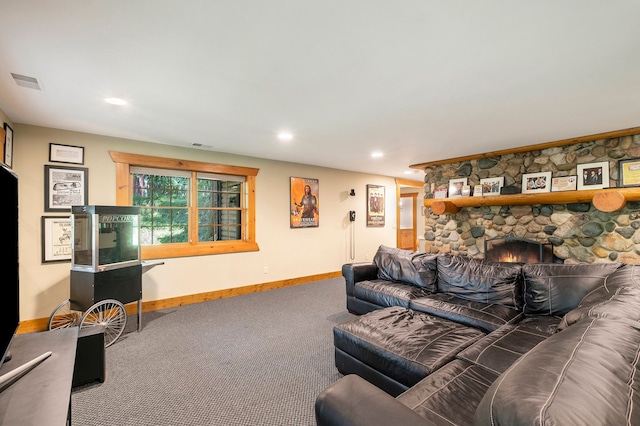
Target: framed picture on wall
593	175
8	145
66	154
375	205
305	203
65	187
56	239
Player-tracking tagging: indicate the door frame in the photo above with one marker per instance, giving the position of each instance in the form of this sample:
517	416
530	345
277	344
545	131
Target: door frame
406	183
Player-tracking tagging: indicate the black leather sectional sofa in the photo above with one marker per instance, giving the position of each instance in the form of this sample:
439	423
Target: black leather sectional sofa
450	340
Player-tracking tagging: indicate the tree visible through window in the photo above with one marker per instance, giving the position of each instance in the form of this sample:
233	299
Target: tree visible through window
188	208
164	208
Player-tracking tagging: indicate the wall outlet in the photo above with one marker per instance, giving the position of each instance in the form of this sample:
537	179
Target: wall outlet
265	269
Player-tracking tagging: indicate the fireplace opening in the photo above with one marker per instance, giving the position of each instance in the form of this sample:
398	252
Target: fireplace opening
518	250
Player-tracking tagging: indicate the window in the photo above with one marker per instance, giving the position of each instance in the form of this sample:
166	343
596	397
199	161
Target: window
187	207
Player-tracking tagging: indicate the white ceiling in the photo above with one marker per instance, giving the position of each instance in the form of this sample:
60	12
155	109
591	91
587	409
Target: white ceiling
420	80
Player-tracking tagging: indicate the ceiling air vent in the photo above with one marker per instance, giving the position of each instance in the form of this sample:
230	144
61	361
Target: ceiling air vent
25	81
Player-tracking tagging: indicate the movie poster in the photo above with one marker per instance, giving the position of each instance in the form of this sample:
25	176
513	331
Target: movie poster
305	203
375	205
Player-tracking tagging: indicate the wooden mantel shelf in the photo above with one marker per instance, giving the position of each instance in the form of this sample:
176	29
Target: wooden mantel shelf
606	200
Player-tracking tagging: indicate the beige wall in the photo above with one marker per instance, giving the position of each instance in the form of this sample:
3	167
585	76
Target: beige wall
287	253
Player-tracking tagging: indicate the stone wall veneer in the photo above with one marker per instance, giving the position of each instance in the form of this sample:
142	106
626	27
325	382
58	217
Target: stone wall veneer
579	232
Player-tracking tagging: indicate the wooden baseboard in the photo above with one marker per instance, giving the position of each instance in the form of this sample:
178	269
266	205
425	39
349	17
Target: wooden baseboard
40	324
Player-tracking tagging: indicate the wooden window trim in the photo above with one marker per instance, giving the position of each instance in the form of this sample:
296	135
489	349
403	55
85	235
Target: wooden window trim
124	197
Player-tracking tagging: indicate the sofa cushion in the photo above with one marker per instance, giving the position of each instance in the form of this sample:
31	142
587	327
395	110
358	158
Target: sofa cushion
555	289
458	384
586	375
481	281
486	316
418	269
500	349
387	293
617	297
403	344
546	324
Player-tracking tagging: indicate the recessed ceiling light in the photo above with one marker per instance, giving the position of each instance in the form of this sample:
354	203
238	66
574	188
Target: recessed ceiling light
376	154
410	172
285	136
115	101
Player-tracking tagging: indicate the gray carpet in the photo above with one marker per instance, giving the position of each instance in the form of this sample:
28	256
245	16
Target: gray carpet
257	359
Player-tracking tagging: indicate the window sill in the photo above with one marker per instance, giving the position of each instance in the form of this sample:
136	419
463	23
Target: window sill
201	249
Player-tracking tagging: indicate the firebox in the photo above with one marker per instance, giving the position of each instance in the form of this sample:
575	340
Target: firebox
518	250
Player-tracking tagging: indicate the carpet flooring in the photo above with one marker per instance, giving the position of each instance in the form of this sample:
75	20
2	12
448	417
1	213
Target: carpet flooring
256	359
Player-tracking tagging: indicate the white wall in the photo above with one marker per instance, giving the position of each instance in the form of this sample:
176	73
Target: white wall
287	253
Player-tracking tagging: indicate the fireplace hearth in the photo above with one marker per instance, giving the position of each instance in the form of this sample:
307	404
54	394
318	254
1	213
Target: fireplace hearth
518	250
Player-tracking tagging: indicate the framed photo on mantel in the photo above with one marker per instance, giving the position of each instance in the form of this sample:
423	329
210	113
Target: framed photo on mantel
593	175
629	172
536	182
491	186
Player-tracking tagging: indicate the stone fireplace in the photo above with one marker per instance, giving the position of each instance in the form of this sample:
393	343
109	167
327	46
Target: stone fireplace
577	233
518	250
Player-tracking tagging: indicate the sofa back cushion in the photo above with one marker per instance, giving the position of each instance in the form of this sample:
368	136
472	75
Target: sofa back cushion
586	375
555	289
618	297
406	266
479	280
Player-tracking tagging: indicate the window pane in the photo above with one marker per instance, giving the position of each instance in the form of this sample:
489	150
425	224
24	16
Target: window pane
179	198
161	217
146	235
180	216
161	235
234	200
161	197
180	234
159	181
205	233
229	233
161	222
233	186
234	217
180	183
205	217
204	184
204	199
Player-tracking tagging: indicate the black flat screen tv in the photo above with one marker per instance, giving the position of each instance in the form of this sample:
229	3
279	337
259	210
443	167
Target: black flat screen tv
10	299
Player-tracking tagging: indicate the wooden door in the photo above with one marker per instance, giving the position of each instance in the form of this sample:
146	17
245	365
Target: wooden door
407	238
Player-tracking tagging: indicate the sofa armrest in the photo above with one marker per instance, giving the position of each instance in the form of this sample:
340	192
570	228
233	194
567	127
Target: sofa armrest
355	272
352	401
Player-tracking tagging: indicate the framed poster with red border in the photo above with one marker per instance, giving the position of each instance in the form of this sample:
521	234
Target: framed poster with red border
304	211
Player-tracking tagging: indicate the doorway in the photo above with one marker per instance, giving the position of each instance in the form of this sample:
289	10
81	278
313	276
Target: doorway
407	233
407	225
